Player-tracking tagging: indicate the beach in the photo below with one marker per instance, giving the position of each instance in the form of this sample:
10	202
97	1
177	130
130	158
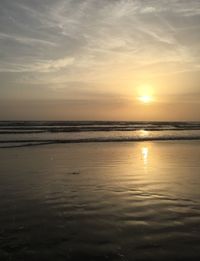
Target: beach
101	201
100	130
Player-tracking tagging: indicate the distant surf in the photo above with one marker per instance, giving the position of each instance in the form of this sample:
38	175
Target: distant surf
31	133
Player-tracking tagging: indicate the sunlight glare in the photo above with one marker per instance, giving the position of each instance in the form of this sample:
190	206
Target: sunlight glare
145	98
145	153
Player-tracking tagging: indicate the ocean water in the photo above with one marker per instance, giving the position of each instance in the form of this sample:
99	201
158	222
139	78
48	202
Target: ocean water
37	133
99	200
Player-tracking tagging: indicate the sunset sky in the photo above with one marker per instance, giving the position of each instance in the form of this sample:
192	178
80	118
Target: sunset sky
95	59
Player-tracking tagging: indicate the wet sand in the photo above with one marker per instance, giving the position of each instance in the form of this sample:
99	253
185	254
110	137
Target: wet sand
101	201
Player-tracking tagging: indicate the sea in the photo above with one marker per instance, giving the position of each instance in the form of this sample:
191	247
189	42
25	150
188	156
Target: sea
119	191
27	133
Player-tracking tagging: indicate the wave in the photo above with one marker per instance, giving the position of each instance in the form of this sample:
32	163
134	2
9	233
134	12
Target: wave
28	127
32	133
32	142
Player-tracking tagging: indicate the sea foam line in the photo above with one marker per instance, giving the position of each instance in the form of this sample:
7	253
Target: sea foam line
32	142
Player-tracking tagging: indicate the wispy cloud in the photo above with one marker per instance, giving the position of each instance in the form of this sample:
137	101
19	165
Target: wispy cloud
97	40
24	40
40	66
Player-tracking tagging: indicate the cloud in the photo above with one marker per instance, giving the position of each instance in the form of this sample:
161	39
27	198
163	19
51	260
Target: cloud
25	40
97	40
40	66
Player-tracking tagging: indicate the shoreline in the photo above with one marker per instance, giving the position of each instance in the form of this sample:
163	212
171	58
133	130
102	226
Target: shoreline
30	143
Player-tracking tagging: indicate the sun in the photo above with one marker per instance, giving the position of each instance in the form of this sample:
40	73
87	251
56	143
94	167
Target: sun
145	93
145	98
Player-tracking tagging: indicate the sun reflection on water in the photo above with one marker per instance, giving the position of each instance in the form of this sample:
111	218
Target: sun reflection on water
143	133
145	154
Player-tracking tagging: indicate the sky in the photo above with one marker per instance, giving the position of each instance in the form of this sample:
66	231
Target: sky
93	59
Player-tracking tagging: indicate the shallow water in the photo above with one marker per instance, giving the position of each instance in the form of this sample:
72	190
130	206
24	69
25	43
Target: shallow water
101	201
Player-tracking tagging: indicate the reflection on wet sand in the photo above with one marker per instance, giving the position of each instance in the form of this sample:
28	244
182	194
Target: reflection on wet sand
129	201
145	153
